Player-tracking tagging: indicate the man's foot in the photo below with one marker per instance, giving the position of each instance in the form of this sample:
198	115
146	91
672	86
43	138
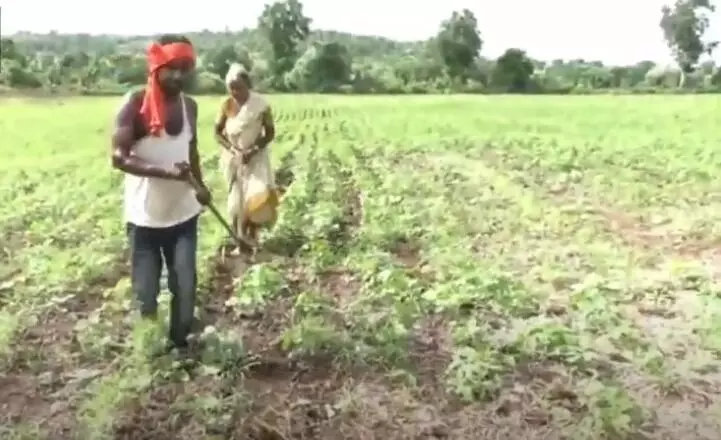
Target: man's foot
180	351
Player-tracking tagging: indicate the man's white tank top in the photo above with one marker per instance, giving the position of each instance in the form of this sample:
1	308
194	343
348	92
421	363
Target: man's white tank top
161	203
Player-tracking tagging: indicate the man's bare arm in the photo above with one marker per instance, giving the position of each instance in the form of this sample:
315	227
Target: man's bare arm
122	143
195	167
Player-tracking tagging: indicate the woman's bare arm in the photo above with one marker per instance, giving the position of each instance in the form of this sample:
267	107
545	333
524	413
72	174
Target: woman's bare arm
268	130
220	136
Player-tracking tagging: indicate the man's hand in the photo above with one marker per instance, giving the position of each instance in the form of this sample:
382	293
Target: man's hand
203	195
180	171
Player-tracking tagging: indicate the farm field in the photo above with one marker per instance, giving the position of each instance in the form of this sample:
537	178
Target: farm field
460	267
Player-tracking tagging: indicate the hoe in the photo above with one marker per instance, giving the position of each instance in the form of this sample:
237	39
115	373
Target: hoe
242	244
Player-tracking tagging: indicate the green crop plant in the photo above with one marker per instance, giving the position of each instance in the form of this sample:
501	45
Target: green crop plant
442	267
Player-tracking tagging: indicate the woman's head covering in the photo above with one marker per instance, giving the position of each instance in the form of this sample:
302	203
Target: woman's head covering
153	109
236	72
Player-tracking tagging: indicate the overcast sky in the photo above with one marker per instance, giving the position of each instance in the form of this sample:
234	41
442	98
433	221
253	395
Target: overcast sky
614	31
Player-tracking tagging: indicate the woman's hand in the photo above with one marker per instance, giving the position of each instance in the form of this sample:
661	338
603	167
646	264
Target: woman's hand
249	153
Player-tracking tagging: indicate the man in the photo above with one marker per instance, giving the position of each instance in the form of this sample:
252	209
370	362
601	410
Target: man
155	144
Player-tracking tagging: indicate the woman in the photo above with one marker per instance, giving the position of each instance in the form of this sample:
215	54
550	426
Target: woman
244	128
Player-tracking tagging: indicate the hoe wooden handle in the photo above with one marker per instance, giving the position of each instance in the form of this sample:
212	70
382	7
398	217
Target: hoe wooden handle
243	244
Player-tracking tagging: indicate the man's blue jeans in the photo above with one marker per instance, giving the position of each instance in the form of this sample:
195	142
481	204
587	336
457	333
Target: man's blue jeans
177	245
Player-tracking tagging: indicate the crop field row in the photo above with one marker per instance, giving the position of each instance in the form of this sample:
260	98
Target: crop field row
442	268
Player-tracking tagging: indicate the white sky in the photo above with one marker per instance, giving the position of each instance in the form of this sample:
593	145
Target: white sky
614	31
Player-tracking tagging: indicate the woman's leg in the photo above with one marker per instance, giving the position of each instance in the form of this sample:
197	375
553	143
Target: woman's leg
254	233
235	209
248	232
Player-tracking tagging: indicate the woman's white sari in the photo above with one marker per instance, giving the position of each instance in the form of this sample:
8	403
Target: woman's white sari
252	197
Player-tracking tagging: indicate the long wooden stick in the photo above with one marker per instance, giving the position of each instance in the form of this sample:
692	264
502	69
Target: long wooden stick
242	243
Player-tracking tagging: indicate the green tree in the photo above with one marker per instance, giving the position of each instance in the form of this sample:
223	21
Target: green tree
90	75
10	51
513	71
716	78
130	70
75	60
207	82
324	67
285	27
219	61
684	26
459	43
111	63
14	75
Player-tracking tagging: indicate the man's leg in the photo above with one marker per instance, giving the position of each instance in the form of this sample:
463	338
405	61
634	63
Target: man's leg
179	249
145	262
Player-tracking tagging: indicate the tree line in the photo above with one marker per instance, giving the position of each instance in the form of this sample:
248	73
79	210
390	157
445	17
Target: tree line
284	54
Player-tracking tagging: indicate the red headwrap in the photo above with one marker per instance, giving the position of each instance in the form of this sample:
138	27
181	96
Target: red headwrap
153	109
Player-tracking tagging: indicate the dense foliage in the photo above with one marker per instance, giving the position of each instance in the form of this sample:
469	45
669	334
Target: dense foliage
285	54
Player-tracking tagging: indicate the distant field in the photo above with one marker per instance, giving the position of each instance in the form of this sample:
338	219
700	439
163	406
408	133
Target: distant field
444	267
